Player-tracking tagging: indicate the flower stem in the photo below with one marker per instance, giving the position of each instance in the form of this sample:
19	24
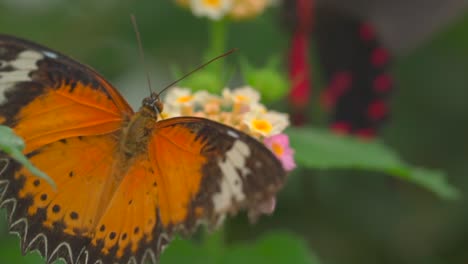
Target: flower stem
218	36
218	42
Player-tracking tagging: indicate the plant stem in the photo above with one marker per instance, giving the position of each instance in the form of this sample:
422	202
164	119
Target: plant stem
218	36
218	42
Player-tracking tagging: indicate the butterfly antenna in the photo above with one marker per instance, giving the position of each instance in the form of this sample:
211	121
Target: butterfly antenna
198	68
140	47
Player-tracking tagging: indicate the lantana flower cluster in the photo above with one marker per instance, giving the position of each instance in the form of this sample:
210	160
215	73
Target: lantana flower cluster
235	9
239	108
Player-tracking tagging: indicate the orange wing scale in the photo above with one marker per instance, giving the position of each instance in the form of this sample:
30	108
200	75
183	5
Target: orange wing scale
80	177
178	150
131	214
122	104
88	112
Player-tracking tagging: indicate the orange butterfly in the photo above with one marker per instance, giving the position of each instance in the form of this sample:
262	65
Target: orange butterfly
126	182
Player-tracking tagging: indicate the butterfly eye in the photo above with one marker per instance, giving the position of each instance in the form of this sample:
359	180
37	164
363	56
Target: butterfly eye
156	103
159	106
147	101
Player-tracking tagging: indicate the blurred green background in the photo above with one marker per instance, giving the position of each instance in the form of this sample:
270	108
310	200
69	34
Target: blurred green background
343	217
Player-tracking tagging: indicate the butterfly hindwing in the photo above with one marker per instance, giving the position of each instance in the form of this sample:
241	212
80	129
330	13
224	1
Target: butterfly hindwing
225	170
59	223
130	227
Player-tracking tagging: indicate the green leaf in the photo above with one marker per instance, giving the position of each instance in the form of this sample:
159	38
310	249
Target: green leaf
11	253
13	145
433	180
271	249
194	252
269	80
275	248
320	149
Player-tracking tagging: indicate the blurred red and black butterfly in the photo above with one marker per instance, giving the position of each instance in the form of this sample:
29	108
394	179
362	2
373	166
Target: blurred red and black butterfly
354	63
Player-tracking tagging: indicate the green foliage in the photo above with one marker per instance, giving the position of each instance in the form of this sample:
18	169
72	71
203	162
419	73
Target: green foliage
269	80
318	149
13	145
205	80
275	248
11	253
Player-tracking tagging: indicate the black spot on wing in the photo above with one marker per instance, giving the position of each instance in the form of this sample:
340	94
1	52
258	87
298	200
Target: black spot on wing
43	197
56	208
36	183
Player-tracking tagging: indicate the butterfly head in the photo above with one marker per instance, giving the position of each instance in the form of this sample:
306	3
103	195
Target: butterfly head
153	103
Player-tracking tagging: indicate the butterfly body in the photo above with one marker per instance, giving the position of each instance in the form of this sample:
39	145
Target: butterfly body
137	132
126	181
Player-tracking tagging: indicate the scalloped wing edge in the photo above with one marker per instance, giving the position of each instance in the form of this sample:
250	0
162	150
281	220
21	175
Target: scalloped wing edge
40	242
